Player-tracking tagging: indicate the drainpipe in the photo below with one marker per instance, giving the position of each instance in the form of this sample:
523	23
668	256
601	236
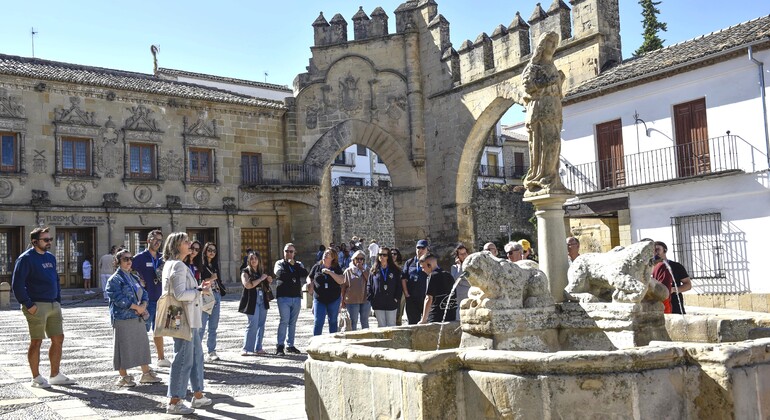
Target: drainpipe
761	69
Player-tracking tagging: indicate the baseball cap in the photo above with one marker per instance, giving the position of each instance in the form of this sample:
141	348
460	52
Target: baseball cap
422	243
525	244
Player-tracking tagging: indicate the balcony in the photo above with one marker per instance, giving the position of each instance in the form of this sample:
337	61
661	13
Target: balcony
345	159
514	172
285	174
715	155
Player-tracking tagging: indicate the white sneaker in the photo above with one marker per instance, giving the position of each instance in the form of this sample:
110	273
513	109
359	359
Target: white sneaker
40	382
126	381
149	378
200	402
179	408
164	363
60	379
212	357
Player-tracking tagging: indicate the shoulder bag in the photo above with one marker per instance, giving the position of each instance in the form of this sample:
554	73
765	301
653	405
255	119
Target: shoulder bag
171	318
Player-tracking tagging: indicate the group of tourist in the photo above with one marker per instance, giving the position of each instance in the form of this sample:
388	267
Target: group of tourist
190	273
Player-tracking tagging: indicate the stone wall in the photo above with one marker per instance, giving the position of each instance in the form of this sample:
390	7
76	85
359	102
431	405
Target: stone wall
495	207
363	211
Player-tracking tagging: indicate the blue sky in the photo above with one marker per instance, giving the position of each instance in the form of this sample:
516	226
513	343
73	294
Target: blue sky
246	39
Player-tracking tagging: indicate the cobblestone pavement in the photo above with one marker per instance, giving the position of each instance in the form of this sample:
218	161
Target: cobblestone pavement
267	387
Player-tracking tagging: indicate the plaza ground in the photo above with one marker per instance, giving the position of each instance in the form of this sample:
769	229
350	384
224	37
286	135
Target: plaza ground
267	387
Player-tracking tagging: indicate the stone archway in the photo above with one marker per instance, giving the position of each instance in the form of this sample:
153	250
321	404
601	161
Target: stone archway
408	195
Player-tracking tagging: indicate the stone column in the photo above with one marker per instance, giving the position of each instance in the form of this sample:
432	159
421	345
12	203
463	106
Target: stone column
551	237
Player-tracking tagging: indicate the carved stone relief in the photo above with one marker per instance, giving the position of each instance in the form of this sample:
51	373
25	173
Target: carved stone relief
143	219
75	114
3	219
171	166
10	106
108	155
6	188
311	116
142	193
76	191
141	120
396	107
39	162
203	220
173	201
350	95
201	196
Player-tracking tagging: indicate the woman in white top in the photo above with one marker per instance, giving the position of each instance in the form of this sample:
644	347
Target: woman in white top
179	280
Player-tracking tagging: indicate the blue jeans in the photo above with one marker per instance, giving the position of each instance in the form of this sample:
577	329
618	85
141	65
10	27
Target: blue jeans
186	367
321	311
288	309
356	309
255	329
213	321
152	307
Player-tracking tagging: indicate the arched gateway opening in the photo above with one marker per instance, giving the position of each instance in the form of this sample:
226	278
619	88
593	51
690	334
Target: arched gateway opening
408	222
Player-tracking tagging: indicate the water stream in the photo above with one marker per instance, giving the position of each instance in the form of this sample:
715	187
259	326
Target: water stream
446	308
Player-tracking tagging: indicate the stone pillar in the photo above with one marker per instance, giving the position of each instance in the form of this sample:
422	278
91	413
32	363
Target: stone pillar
550	239
5	295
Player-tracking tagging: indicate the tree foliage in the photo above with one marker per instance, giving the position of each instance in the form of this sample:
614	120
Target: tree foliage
651	27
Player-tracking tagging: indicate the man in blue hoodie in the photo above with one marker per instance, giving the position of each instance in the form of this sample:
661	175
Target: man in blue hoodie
36	287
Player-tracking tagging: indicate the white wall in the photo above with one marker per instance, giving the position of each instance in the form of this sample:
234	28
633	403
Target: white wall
732	100
744	203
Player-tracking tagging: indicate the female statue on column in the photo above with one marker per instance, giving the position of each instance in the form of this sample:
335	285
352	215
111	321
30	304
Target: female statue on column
542	96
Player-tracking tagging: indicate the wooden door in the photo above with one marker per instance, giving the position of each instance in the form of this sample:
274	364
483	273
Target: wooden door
492	165
258	239
71	247
609	142
692	139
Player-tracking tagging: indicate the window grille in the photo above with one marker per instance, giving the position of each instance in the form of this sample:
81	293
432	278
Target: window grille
699	247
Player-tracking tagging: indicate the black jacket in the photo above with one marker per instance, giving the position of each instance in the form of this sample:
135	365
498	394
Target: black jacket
289	279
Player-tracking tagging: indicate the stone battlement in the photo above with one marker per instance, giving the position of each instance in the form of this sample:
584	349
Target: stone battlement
506	47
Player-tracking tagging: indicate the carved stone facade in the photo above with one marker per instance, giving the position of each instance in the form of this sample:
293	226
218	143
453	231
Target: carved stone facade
425	106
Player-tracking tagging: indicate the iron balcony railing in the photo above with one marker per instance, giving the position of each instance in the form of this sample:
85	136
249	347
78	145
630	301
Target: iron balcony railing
515	171
718	154
286	174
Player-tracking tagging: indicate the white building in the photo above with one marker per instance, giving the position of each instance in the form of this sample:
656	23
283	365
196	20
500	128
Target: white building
673	146
240	86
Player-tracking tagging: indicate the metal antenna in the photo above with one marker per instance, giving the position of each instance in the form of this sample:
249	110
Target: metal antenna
32	34
265	76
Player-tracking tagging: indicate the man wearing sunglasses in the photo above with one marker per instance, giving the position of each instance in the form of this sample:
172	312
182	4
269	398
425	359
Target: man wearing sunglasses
36	287
289	276
149	265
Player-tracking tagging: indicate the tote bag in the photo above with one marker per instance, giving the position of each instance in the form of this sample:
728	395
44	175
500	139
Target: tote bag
343	321
171	317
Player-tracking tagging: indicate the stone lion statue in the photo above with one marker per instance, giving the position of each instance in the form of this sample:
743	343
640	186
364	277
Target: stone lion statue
497	282
621	275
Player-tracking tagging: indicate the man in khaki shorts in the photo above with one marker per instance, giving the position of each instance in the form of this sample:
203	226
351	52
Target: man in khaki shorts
36	287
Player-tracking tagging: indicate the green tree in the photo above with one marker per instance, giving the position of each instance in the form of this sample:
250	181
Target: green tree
651	27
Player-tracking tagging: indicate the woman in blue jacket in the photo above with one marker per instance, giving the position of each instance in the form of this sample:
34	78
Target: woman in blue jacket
384	288
128	312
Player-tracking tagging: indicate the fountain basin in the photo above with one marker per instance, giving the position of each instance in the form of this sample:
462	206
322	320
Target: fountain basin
397	373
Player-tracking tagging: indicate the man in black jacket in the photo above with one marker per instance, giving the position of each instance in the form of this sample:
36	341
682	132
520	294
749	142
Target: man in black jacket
289	276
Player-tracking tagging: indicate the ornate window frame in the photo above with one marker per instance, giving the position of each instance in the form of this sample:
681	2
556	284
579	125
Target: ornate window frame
201	134
74	122
142	128
14	121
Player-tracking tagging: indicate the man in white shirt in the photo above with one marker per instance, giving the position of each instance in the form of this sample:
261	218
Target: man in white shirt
374	249
106	269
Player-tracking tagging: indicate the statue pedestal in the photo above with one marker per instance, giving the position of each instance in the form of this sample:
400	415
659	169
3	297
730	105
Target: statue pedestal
551	237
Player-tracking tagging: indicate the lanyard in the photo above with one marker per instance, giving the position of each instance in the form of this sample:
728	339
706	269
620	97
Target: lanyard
384	274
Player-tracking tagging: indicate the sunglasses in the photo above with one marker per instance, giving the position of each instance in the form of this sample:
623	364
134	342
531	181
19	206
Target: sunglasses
126	259
420	247
212	250
383	255
359	259
46	240
512	252
288	251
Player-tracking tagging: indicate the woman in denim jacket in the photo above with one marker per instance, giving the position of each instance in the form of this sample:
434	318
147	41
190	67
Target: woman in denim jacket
128	312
